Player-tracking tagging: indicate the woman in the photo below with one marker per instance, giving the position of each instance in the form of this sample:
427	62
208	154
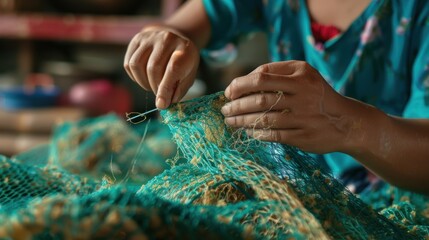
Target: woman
378	60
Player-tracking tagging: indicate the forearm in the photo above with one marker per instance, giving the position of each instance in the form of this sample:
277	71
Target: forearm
396	149
191	21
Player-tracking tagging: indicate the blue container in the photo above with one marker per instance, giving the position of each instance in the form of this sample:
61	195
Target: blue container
20	97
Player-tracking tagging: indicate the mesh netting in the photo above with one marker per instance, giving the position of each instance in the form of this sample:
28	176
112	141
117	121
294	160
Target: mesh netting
222	184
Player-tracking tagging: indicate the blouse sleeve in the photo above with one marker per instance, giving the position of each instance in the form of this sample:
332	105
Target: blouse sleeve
418	104
230	19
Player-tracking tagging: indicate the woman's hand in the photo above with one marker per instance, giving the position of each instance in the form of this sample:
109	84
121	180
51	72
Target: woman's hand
289	102
164	61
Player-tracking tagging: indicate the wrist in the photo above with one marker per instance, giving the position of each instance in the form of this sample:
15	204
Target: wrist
171	29
163	27
368	130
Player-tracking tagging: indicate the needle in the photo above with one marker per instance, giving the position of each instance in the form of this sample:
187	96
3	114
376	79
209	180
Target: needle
140	115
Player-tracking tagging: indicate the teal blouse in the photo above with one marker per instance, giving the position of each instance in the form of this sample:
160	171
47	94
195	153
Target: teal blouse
381	59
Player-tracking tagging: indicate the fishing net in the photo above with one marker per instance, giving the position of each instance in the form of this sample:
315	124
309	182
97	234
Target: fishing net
221	184
106	147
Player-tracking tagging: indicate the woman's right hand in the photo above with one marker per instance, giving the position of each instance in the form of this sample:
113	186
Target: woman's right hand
162	60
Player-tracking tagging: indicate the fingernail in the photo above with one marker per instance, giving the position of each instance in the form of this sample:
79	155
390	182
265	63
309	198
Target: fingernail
249	132
227	93
225	109
227	121
160	103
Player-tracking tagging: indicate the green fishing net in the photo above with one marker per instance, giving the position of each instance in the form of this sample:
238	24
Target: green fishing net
100	179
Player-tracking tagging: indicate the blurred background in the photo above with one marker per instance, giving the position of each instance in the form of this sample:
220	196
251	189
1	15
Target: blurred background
62	60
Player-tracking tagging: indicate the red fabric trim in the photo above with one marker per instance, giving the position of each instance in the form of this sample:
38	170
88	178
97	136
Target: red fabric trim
323	33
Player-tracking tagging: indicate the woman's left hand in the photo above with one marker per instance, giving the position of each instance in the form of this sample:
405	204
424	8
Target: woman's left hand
290	103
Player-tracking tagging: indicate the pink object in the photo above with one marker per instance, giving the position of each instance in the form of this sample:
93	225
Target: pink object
99	97
323	33
81	28
371	30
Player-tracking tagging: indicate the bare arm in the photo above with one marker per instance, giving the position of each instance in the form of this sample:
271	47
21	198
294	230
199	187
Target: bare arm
192	21
397	149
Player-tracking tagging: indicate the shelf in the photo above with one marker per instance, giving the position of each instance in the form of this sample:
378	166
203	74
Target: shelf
91	29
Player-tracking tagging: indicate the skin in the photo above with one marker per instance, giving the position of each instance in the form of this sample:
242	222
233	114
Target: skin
164	58
287	102
310	115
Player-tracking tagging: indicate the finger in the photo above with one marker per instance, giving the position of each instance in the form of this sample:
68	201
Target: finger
288	136
157	63
177	79
138	64
259	102
281	68
132	47
260	82
173	74
272	120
